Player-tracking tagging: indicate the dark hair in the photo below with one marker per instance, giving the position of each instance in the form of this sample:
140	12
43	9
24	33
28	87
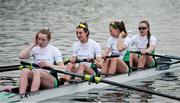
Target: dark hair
44	31
149	33
84	26
120	25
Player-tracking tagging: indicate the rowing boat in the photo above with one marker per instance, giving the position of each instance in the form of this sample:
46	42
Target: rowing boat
83	86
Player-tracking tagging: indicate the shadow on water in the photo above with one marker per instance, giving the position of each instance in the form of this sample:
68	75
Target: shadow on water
169	76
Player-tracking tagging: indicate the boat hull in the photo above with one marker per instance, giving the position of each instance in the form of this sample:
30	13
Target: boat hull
85	86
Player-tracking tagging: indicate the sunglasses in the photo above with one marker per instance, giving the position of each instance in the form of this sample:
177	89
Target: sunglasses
142	28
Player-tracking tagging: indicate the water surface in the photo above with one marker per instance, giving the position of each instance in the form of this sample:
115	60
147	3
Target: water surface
21	19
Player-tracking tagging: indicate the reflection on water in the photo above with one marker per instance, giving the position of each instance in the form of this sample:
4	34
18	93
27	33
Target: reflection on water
21	19
116	95
6	80
9	79
169	76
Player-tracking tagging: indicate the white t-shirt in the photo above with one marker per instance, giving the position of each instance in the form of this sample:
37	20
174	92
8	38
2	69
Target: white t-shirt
90	49
141	41
112	44
50	54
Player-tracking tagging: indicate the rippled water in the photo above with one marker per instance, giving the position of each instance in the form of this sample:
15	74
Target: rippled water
21	19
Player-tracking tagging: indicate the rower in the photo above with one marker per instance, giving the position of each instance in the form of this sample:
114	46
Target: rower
145	43
44	55
117	44
85	48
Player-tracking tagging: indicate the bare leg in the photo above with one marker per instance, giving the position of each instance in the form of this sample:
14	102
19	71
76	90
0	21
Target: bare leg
80	70
133	61
122	67
26	75
149	61
89	70
142	61
113	66
42	78
105	66
69	68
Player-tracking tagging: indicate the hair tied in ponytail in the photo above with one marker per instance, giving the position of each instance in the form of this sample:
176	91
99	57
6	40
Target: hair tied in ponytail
46	28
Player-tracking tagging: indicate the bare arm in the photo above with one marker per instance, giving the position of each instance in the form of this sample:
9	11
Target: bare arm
59	65
120	43
99	62
106	52
24	54
73	59
150	49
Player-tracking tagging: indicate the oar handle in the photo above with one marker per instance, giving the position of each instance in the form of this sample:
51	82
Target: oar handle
92	60
84	60
135	52
112	56
66	61
30	64
139	52
33	65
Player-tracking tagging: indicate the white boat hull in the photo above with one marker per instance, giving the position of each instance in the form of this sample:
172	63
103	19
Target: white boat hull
85	86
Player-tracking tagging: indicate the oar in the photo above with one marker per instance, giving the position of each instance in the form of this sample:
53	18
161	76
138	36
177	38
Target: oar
170	63
161	64
140	89
157	55
67	60
98	79
9	68
112	56
16	67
